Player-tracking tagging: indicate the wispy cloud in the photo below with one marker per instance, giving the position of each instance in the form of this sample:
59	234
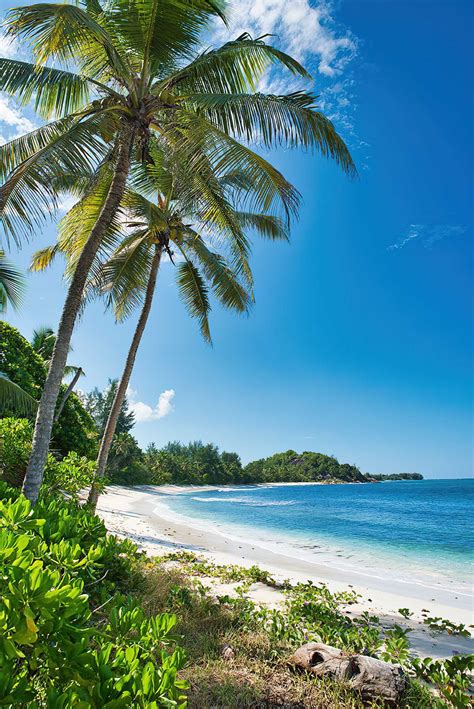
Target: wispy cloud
145	412
427	235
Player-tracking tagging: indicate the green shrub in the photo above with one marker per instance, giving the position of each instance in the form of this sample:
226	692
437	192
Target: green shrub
67	638
15	448
75	429
70	475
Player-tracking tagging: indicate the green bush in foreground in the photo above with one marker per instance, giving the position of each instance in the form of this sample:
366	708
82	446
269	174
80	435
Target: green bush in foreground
68	635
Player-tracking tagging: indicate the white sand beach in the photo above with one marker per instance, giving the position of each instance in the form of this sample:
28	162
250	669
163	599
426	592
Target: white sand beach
139	514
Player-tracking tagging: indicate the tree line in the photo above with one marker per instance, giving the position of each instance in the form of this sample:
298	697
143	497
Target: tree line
396	476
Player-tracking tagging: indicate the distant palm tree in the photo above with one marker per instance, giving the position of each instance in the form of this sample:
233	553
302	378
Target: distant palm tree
43	342
12	284
135	71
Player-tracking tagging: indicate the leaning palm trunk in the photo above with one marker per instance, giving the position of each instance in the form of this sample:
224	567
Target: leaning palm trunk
67	393
47	405
111	424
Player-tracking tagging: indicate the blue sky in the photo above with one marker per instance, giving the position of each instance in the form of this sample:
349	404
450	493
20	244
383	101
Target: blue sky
360	342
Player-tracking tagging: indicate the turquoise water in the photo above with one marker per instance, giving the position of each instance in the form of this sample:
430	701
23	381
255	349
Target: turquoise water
416	529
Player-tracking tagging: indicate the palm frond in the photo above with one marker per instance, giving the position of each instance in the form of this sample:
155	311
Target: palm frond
291	120
63	32
224	281
43	258
123	277
194	293
53	92
43	341
236	67
14	398
12	284
34	161
271	192
75	227
169	30
266	225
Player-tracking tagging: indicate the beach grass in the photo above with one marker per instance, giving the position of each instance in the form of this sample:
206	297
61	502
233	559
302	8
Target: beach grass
258	673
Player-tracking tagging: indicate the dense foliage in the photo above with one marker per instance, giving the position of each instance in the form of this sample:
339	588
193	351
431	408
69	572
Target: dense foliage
69	637
75	430
126	464
193	464
301	467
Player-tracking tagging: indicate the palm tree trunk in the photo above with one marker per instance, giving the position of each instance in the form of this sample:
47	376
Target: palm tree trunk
111	424
47	405
68	391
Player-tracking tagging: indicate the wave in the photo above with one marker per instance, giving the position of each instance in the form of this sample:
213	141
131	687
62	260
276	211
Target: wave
237	489
246	502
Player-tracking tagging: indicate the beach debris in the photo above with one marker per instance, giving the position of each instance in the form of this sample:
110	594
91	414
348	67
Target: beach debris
227	652
371	677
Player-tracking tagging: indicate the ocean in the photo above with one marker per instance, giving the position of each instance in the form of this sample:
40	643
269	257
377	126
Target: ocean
419	531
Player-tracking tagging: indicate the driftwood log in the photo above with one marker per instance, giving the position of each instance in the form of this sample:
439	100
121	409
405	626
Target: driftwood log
227	652
373	678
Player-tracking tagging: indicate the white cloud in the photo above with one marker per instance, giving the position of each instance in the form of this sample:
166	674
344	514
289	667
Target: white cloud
13	117
145	412
8	46
427	235
303	29
14	122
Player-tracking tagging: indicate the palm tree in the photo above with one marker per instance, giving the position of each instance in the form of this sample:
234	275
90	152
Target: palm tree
135	72
12	284
130	277
43	341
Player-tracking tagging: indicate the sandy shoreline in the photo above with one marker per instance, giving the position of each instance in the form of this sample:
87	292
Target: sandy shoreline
141	515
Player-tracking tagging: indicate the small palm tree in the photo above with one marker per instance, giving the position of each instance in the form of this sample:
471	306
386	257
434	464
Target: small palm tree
12	284
134	71
43	342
